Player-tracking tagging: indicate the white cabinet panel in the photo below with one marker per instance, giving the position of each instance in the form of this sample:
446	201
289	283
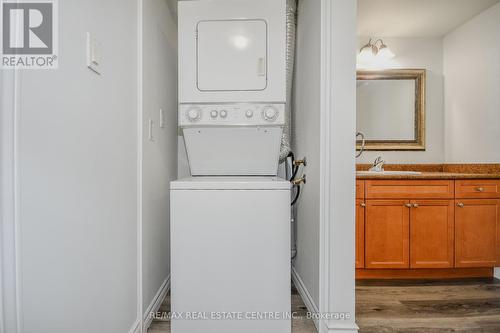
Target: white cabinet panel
225	151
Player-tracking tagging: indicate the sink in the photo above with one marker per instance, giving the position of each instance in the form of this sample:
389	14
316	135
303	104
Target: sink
370	173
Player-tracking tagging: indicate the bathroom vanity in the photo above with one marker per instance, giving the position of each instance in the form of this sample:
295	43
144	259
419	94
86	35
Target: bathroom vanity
427	225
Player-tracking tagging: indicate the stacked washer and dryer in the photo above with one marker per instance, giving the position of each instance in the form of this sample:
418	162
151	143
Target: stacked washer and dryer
230	221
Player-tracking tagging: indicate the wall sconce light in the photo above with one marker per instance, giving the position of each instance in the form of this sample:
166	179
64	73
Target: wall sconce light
370	51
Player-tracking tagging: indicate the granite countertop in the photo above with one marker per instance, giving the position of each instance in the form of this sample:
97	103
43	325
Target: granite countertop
431	175
435	171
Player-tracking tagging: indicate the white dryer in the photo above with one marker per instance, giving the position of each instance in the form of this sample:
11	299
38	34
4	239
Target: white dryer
232	51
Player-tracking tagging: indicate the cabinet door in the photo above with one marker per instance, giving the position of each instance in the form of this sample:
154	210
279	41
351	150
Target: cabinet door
476	232
360	189
432	233
360	233
387	234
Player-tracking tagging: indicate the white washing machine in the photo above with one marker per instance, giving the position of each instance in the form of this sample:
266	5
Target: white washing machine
232	51
230	239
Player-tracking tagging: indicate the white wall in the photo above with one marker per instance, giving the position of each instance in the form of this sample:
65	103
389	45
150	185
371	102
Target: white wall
8	320
323	128
159	165
426	53
77	178
182	159
338	124
472	90
306	134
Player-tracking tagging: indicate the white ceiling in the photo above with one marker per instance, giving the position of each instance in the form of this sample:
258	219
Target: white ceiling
415	18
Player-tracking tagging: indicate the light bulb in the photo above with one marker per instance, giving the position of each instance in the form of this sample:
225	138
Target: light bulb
366	54
384	52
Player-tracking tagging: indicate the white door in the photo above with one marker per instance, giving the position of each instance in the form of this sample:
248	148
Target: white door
232	55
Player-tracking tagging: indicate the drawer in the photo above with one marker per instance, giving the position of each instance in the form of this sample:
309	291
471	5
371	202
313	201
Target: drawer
360	189
409	189
477	188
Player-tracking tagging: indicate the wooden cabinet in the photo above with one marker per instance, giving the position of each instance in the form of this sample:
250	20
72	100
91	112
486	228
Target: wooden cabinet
419	227
360	233
431	233
387	234
477	232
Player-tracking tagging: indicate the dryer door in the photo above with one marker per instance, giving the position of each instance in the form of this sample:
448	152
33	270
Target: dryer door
232	55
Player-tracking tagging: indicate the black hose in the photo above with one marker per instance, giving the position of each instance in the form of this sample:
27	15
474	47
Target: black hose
297	194
295	168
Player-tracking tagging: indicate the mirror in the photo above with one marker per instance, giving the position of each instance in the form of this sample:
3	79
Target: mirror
390	109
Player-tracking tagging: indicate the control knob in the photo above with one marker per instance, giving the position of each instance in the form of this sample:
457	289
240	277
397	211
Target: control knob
194	114
223	113
249	113
270	113
214	113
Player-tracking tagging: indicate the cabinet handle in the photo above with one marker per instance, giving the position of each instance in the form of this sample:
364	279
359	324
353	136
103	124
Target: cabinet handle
460	204
363	204
408	205
415	205
261	67
480	189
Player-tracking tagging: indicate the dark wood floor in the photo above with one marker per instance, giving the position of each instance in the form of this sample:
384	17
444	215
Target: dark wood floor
453	306
301	324
428	306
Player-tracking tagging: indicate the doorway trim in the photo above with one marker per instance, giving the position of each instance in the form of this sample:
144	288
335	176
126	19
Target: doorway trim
337	175
10	278
139	323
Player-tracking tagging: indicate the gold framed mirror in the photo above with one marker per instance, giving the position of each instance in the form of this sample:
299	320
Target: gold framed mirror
390	109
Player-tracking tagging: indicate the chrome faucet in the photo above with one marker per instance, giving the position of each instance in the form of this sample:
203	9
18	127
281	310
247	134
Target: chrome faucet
378	165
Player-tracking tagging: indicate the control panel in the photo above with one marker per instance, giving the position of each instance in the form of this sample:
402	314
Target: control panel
244	114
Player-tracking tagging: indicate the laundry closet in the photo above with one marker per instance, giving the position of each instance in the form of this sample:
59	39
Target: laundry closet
232	105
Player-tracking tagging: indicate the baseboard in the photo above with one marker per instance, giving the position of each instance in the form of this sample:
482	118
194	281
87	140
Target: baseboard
424	273
136	327
306	296
345	328
156	303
